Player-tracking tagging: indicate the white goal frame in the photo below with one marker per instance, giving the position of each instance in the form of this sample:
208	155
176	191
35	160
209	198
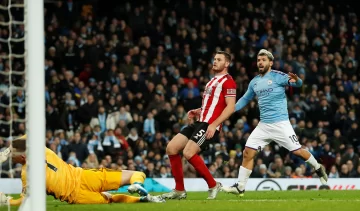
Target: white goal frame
35	104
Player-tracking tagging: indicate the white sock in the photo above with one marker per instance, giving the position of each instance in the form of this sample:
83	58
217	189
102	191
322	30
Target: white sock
243	177
312	161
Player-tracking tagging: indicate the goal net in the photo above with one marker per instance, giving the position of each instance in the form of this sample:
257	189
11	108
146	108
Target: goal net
22	100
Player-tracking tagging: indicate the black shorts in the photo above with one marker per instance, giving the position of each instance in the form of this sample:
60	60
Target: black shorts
197	133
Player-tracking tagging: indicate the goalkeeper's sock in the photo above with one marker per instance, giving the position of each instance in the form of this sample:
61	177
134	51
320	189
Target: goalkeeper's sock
137	178
243	177
200	167
177	171
312	161
122	198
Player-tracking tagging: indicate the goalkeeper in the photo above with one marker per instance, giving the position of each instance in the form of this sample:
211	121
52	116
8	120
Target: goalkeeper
76	185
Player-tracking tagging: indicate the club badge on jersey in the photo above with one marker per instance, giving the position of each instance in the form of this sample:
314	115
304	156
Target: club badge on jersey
208	91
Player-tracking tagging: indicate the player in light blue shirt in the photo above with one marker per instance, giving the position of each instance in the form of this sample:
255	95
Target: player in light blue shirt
269	89
270	92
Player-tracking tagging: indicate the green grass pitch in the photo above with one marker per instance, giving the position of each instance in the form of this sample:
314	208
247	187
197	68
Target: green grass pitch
196	201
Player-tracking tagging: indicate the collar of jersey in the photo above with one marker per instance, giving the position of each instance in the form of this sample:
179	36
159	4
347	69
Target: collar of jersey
265	74
218	76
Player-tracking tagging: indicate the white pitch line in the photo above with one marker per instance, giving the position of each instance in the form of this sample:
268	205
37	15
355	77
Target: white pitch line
281	200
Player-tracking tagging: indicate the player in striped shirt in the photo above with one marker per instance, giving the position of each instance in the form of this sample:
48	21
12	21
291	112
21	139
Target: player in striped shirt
274	125
218	104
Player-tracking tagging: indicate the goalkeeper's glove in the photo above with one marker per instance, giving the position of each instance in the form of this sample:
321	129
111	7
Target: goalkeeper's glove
4	155
4	200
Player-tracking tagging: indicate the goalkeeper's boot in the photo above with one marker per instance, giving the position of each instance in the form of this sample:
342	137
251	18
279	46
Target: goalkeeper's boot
214	191
174	194
150	198
322	175
234	189
137	188
4	155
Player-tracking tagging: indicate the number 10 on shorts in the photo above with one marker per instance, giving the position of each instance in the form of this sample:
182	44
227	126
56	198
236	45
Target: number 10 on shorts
294	139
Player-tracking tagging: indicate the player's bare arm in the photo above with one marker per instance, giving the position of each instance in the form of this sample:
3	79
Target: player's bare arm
8	200
195	113
229	109
18	201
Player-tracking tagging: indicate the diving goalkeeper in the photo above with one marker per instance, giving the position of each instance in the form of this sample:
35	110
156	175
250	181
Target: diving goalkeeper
76	185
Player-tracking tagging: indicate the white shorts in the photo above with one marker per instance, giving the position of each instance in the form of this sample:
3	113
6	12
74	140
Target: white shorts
280	132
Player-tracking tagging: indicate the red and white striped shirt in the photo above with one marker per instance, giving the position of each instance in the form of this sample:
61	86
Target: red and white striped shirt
213	102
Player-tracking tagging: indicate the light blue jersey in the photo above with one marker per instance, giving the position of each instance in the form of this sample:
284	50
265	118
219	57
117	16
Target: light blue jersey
270	92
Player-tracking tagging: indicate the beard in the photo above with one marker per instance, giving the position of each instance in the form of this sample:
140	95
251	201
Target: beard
218	69
265	69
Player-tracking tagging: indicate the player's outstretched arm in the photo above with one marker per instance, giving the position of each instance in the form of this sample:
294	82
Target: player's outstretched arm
245	99
18	146
289	79
16	202
294	80
8	200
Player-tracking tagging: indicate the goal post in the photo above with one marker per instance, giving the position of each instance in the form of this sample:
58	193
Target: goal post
35	102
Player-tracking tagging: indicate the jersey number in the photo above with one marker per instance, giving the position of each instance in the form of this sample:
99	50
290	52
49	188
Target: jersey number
51	166
294	139
199	134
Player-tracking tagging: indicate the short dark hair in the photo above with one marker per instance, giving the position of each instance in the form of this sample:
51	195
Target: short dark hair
226	54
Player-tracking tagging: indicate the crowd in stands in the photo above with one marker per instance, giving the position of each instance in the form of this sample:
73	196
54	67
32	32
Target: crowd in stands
121	76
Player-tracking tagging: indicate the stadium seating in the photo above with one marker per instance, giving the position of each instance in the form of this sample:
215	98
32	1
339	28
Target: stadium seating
121	76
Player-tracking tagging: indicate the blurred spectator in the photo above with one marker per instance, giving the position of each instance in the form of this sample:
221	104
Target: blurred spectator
111	144
262	173
327	157
149	127
78	148
266	155
189	170
344	173
92	161
73	160
288	172
163	173
276	167
350	155
150	171
334	172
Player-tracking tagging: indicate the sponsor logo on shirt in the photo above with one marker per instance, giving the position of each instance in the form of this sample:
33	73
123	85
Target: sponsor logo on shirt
264	92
